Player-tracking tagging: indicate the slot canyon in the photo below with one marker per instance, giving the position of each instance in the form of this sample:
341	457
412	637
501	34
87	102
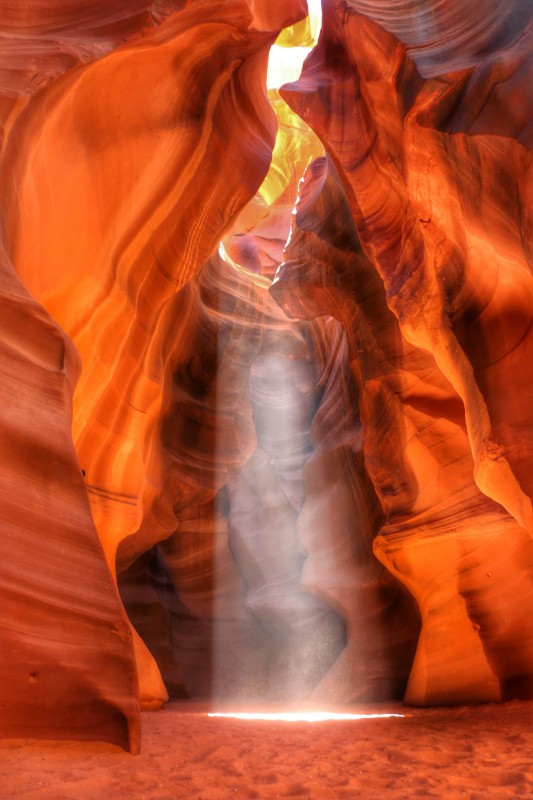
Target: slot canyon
266	427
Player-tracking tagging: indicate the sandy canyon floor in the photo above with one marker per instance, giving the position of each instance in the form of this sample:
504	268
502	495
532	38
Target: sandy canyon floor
466	752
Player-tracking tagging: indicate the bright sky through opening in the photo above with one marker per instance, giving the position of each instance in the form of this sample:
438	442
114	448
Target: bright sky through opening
285	63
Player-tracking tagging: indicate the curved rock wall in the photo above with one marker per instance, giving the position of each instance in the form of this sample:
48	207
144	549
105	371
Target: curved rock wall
67	667
434	283
290	477
447	36
109	206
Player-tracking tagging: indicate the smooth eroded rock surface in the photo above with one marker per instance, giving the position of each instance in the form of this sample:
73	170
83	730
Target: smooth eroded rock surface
294	342
67	667
416	236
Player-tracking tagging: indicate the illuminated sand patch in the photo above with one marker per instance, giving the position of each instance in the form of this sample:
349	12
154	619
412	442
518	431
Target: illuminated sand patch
300	716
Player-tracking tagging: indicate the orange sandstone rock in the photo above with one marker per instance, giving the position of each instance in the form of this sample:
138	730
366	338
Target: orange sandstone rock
433	284
66	666
273	470
119	177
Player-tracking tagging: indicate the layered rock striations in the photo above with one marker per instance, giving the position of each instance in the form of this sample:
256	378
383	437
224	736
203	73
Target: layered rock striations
109	208
67	668
434	284
292	477
133	195
446	37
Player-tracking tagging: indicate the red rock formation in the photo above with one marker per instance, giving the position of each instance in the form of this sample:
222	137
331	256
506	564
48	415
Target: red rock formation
114	254
434	286
244	466
119	177
446	37
67	667
65	672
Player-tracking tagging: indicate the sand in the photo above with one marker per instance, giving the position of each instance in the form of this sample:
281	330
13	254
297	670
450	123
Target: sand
467	752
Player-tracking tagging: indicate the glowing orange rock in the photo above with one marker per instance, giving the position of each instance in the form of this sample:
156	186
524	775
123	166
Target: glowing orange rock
119	178
433	284
262	454
132	220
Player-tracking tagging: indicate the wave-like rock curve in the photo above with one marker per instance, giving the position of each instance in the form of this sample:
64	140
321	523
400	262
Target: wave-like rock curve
434	284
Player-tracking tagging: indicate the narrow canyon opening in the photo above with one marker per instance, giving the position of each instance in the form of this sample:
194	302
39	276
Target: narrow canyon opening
269	592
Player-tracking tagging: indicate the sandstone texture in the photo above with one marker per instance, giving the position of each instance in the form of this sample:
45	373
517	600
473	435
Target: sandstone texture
266	418
433	281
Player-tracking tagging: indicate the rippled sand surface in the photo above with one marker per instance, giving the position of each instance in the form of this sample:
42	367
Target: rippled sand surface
467	752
